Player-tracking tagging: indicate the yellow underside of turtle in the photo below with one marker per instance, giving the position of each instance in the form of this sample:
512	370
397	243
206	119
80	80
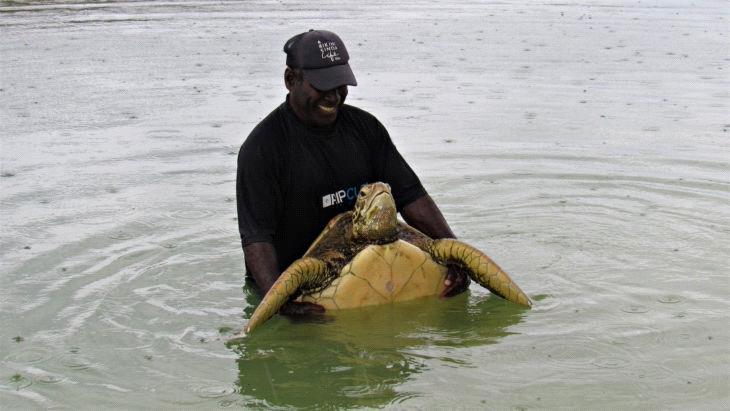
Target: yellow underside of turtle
383	274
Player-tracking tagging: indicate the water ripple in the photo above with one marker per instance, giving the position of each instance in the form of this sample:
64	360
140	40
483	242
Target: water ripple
685	388
51	379
75	362
635	309
211	390
611	362
648	372
31	355
192	214
19	382
583	353
670	299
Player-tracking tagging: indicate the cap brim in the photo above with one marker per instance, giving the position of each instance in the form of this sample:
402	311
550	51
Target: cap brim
332	77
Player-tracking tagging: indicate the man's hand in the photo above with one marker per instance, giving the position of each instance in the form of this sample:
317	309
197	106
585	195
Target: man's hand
457	281
304	312
300	308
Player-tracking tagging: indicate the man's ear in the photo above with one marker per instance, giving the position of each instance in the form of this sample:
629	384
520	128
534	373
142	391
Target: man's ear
289	78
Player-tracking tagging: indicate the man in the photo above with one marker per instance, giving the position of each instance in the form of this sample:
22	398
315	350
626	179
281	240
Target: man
306	161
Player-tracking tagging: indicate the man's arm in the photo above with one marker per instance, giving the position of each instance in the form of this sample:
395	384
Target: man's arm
424	215
262	264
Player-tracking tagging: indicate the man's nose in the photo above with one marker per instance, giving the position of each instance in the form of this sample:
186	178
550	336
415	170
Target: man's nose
332	96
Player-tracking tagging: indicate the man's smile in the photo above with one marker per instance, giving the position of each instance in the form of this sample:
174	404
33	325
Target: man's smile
327	109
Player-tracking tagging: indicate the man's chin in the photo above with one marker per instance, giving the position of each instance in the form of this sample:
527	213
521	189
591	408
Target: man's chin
325	118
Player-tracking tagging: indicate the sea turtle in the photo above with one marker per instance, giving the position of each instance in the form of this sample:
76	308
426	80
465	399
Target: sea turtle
367	257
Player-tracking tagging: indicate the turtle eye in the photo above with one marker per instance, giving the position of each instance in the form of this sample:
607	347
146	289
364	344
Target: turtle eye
362	193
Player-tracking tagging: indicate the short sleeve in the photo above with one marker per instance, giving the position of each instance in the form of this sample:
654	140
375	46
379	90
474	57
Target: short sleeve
258	195
393	169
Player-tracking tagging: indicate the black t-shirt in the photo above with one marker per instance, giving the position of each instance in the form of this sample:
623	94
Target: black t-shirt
292	179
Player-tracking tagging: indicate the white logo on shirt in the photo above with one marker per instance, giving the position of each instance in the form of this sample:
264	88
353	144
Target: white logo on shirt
338	197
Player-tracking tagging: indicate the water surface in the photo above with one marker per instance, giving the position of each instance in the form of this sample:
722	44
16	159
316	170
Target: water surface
583	145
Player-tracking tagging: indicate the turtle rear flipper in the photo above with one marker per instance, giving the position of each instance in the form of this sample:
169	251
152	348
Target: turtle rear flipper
303	273
480	267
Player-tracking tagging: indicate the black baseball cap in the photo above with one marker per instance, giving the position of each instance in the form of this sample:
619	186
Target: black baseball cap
322	57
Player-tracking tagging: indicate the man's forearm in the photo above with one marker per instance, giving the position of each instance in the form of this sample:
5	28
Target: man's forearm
424	215
261	262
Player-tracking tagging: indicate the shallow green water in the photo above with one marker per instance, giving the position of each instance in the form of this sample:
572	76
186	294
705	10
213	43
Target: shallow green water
584	146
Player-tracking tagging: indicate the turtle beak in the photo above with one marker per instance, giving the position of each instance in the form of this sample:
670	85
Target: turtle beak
382	201
382	215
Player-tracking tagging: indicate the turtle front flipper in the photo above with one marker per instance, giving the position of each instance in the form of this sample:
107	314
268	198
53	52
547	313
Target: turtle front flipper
480	267
303	273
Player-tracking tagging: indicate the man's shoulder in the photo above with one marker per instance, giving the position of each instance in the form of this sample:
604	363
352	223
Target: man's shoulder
272	123
266	143
357	112
362	119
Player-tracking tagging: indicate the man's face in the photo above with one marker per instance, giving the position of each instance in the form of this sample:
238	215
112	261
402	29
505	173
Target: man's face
314	107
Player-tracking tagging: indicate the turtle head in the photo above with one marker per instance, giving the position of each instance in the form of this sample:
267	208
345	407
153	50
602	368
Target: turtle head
375	216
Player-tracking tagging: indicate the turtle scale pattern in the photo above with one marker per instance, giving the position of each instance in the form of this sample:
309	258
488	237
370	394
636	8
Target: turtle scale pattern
382	274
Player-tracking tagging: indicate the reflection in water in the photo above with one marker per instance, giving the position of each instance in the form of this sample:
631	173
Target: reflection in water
360	357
